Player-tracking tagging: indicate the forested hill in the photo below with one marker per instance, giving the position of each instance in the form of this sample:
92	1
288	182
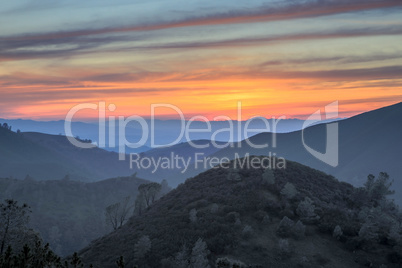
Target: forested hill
261	217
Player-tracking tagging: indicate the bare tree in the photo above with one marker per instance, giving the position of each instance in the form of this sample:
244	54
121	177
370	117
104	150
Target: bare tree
149	191
139	205
117	214
124	210
111	214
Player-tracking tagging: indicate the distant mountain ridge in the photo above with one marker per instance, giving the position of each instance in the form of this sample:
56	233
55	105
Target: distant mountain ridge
368	143
165	131
50	157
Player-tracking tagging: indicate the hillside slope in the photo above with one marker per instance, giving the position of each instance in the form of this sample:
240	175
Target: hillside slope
240	214
50	157
69	214
368	143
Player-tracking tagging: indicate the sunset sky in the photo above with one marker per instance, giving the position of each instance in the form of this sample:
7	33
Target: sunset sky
276	57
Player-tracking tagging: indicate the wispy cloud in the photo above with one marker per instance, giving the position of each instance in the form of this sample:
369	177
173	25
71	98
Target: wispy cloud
337	59
20	50
388	72
116	82
268	12
385	99
342	33
84	41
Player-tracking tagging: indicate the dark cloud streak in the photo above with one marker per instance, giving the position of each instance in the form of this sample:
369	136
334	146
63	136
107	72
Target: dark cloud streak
357	74
339	59
342	33
268	13
85	46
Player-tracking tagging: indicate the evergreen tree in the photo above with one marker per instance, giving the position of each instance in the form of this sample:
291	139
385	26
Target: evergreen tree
285	227
142	247
378	189
289	190
13	224
182	258
76	261
193	215
120	262
268	176
199	255
306	210
337	232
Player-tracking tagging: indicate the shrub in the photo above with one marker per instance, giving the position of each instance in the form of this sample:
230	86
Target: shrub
299	229
284	247
182	258
247	231
285	227
306	210
142	247
214	208
268	177
193	215
368	232
364	214
289	190
337	232
199	255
